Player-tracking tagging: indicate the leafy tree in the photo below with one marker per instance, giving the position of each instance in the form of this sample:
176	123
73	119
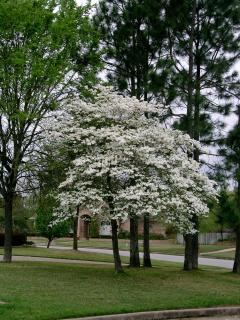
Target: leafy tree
127	162
45	221
39	43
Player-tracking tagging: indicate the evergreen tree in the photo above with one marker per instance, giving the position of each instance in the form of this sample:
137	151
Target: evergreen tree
203	47
231	152
133	37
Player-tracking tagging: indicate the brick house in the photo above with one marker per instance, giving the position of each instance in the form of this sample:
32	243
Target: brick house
85	217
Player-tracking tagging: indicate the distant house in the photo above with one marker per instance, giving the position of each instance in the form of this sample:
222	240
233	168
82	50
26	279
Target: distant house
85	217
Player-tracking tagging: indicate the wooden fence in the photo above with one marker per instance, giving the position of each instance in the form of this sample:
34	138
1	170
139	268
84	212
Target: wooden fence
208	238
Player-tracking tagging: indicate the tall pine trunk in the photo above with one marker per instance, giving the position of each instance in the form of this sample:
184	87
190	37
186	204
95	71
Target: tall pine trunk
236	265
191	241
146	245
116	255
134	247
8	208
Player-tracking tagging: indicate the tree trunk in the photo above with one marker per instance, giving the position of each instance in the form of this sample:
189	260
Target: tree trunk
8	229
49	243
134	248
75	230
188	259
75	238
116	255
195	251
195	246
191	241
236	265
146	246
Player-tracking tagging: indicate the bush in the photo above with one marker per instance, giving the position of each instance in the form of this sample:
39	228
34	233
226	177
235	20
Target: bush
153	236
105	237
123	234
94	228
171	231
18	239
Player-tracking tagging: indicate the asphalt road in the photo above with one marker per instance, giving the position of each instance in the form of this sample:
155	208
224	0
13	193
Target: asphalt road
222	263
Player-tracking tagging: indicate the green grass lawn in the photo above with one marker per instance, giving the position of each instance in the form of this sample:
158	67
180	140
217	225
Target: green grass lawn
63	254
161	246
49	291
221	255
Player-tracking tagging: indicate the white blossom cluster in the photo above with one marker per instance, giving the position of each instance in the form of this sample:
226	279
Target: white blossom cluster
123	155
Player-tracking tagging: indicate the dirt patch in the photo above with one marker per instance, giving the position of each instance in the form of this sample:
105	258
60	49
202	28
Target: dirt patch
2	302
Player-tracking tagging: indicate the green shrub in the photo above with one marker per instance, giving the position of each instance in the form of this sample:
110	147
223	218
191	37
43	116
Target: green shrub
123	234
94	228
18	239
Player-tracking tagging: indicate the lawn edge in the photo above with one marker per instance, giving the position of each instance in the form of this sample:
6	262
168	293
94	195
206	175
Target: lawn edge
167	314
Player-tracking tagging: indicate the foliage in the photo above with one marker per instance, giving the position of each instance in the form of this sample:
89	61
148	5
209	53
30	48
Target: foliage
228	211
126	30
44	221
42	42
94	228
130	159
18	239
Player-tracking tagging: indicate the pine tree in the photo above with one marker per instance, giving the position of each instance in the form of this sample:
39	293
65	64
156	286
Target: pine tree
231	152
203	46
133	56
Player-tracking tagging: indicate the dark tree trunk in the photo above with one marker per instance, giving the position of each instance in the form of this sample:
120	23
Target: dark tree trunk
49	243
134	248
195	246
116	255
236	265
75	230
191	250
195	251
8	229
146	246
191	241
188	259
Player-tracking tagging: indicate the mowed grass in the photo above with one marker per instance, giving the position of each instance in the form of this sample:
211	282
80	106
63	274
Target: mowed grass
51	291
222	255
157	246
63	254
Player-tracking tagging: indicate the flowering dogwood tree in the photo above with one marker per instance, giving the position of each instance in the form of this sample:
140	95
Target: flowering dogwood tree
128	162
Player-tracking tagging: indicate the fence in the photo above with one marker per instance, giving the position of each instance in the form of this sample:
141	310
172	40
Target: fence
207	238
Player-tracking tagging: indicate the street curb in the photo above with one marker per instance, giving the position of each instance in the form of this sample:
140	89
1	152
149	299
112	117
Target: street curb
168	314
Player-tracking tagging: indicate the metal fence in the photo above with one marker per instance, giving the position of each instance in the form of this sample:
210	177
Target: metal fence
208	238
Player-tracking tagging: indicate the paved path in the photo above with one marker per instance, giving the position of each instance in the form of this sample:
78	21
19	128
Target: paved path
43	259
159	257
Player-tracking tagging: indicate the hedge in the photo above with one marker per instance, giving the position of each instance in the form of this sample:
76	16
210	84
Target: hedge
18	239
